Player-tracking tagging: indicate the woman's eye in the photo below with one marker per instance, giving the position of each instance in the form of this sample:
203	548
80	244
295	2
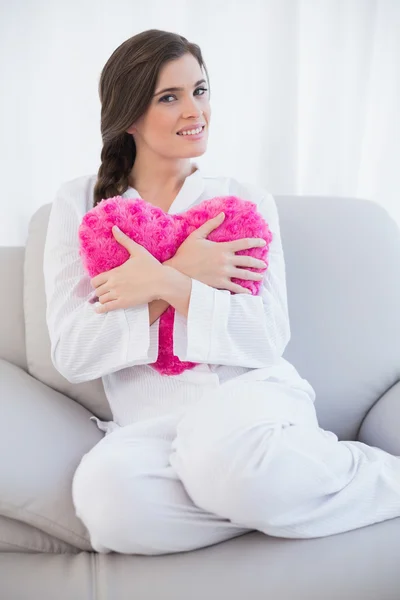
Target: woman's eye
166	100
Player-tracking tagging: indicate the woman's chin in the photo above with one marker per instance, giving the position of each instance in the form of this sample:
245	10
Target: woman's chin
199	153
193	152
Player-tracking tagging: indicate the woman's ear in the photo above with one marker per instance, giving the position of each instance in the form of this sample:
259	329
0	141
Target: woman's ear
131	130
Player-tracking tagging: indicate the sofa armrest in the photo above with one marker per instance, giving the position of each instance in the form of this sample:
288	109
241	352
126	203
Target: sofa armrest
381	426
44	435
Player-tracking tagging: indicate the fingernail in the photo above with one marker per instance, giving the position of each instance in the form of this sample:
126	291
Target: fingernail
116	228
262	242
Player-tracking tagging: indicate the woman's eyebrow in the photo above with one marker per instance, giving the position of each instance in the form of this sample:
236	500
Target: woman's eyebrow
178	89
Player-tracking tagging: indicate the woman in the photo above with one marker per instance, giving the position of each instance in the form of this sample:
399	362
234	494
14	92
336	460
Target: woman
233	444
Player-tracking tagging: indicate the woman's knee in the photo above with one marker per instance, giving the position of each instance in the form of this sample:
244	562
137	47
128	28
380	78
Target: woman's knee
260	476
216	470
112	500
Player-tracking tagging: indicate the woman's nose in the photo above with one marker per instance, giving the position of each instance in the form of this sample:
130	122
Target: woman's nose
191	109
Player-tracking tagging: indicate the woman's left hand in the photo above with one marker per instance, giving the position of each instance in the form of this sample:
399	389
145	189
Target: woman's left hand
135	282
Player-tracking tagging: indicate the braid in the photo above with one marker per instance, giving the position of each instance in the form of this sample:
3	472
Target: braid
117	158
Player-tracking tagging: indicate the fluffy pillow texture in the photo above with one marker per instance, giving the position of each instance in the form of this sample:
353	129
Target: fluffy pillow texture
162	234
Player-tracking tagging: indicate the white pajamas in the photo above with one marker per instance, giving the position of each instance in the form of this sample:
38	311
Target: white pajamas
250	456
227	447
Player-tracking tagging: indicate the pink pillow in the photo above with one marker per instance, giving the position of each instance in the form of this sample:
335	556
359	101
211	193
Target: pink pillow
162	234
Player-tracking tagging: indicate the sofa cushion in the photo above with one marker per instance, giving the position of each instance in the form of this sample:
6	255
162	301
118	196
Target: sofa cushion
91	393
344	298
44	436
358	565
20	537
38	576
381	426
12	328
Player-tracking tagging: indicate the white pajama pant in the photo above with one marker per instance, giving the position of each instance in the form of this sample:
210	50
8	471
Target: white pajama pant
250	456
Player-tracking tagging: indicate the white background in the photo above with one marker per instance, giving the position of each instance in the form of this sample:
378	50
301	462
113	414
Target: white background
305	93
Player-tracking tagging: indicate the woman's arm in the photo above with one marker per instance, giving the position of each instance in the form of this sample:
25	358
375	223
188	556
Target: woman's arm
175	289
156	309
86	345
207	262
241	330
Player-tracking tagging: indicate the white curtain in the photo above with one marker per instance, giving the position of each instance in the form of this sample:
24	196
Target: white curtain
305	93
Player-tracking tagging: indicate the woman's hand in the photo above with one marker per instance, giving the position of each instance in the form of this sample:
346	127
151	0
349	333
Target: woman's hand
135	282
215	263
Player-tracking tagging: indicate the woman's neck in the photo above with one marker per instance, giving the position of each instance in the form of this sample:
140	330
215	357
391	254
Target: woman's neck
160	180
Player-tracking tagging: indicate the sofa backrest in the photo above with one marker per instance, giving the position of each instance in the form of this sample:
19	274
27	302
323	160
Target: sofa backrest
342	262
91	393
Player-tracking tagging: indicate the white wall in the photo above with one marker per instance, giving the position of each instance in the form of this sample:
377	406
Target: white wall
305	93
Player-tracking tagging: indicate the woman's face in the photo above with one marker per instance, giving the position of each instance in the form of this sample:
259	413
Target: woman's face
180	102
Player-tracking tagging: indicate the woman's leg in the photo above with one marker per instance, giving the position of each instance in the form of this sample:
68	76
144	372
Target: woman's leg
131	500
253	453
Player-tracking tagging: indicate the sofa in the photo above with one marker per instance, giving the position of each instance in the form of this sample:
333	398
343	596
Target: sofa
343	266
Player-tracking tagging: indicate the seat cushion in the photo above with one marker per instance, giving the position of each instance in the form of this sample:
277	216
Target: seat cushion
358	565
43	438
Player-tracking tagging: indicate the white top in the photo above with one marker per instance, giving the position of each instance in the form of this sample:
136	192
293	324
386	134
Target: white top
231	336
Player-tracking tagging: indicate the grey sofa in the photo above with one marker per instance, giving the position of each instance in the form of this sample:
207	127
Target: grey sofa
343	275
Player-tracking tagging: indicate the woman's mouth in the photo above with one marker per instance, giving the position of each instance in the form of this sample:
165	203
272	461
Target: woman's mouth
193	134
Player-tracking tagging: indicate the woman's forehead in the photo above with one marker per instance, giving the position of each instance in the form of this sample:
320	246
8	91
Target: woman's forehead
180	72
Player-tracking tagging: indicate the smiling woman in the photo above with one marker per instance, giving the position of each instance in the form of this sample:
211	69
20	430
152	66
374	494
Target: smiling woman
154	91
232	443
178	113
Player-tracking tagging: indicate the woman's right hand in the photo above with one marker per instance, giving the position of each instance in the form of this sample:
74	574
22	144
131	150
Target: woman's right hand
215	263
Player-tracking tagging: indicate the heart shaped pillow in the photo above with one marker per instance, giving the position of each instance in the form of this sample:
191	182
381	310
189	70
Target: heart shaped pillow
162	234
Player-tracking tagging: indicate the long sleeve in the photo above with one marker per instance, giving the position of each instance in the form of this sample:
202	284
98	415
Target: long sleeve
238	329
86	345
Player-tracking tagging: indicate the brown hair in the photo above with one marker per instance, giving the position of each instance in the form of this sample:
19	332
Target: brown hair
127	84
